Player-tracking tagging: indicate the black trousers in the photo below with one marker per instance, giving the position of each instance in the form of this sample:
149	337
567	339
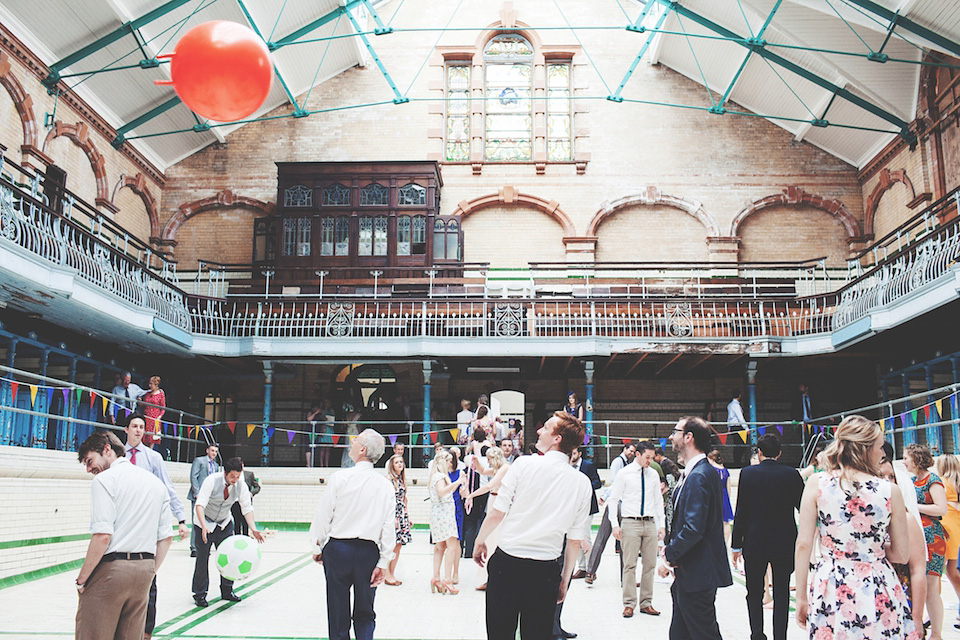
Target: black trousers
524	590
240	526
694	615
348	564
201	571
472	522
151	607
754	568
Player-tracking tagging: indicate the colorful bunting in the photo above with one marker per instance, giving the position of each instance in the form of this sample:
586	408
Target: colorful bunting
290	436
14	387
93	398
625	441
926	413
455	433
761	430
270	432
914	416
743	436
723	437
33	394
780	428
336	438
939	404
49	397
103	403
433	437
604	440
78	392
393	438
586	439
663	443
66	396
250	428
232	425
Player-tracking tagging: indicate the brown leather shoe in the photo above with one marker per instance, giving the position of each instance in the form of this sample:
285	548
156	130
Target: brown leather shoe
482	587
650	611
589	578
628	612
578	575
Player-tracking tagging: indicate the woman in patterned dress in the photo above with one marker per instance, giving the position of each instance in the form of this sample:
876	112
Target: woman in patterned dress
443	521
854	593
156	406
932	503
397	474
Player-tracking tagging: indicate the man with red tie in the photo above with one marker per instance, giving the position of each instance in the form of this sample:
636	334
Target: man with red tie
215	500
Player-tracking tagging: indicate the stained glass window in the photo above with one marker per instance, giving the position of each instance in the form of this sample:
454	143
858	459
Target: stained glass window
380	236
403	235
559	113
458	112
336	195
508	119
419	235
298	196
342	238
446	240
439	237
411	194
365	237
296	237
326	236
373	194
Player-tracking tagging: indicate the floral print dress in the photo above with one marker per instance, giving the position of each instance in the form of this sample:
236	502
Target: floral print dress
402	521
855	593
933	533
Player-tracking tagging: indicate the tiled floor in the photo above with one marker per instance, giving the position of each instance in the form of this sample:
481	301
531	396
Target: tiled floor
285	601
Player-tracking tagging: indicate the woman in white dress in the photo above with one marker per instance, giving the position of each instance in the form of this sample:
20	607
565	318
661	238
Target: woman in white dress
443	522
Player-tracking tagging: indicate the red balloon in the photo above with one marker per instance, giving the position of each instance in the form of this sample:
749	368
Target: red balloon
222	70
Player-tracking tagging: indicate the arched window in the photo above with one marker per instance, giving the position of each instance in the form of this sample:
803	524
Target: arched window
298	196
446	239
342	238
373	194
411	194
411	235
508	92
336	195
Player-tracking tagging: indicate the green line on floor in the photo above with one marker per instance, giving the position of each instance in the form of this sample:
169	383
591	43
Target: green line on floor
193	623
36	574
13	544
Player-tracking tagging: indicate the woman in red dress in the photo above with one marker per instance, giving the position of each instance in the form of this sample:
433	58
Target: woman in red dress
154	396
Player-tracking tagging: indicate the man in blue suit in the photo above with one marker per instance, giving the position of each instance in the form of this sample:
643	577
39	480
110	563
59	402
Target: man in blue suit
695	549
202	467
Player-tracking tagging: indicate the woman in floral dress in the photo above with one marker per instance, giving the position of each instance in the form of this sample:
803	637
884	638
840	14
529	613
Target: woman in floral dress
154	409
396	473
443	522
932	503
854	593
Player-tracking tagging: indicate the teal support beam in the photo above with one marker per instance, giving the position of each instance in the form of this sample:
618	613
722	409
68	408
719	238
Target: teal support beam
313	26
588	413
638	23
637	27
908	25
398	97
757	46
265	436
139	120
297	111
381	29
768	20
8	398
736	76
125	29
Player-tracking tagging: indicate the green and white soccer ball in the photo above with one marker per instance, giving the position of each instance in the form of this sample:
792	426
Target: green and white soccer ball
238	557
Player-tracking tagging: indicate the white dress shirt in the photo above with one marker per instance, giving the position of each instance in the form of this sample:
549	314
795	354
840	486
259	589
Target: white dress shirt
132	506
217	509
735	414
905	482
357	503
464	420
151	461
544	498
618	463
132	392
638	492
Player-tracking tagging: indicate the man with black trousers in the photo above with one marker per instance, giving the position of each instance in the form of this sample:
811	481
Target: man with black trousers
765	533
695	549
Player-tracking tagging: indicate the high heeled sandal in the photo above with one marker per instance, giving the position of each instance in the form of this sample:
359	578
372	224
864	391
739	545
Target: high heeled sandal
452	590
437	585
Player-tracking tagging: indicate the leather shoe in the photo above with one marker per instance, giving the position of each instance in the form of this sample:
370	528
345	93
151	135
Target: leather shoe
193	553
200	601
230	597
628	612
589	578
650	611
578	575
568	634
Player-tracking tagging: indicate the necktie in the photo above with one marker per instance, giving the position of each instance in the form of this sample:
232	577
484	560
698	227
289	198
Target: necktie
210	466
226	492
133	455
806	408
643	490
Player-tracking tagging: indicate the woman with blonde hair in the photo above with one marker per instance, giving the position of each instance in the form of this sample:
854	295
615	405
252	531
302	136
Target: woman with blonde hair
932	503
948	467
498	468
854	591
443	521
397	474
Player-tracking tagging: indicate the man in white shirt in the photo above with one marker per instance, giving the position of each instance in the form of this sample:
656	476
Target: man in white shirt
129	390
603	533
541	500
736	422
149	460
353	536
464	421
637	492
131	532
213	512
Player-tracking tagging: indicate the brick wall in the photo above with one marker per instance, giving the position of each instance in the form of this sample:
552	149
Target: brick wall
651	234
226	236
813	234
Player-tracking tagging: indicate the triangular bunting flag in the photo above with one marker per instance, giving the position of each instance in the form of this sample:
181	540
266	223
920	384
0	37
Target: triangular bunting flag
761	430
939	404
433	437
723	437
33	394
914	415
352	438
250	428
14	387
743	436
290	436
49	397
926	413
780	428
586	439
93	398
336	438
393	438
313	439
232	425
663	443
905	419
270	431
103	402
454	433
66	396
625	441
78	392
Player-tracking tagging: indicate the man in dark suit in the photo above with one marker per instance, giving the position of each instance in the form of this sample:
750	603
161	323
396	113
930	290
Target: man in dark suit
766	532
202	467
695	549
802	408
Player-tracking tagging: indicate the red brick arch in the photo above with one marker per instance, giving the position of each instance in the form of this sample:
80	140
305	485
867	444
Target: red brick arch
509	196
887	180
21	100
79	134
652	196
138	184
797	196
225	199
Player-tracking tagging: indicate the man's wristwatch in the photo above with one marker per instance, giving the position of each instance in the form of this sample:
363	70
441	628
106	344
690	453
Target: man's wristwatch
80	586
